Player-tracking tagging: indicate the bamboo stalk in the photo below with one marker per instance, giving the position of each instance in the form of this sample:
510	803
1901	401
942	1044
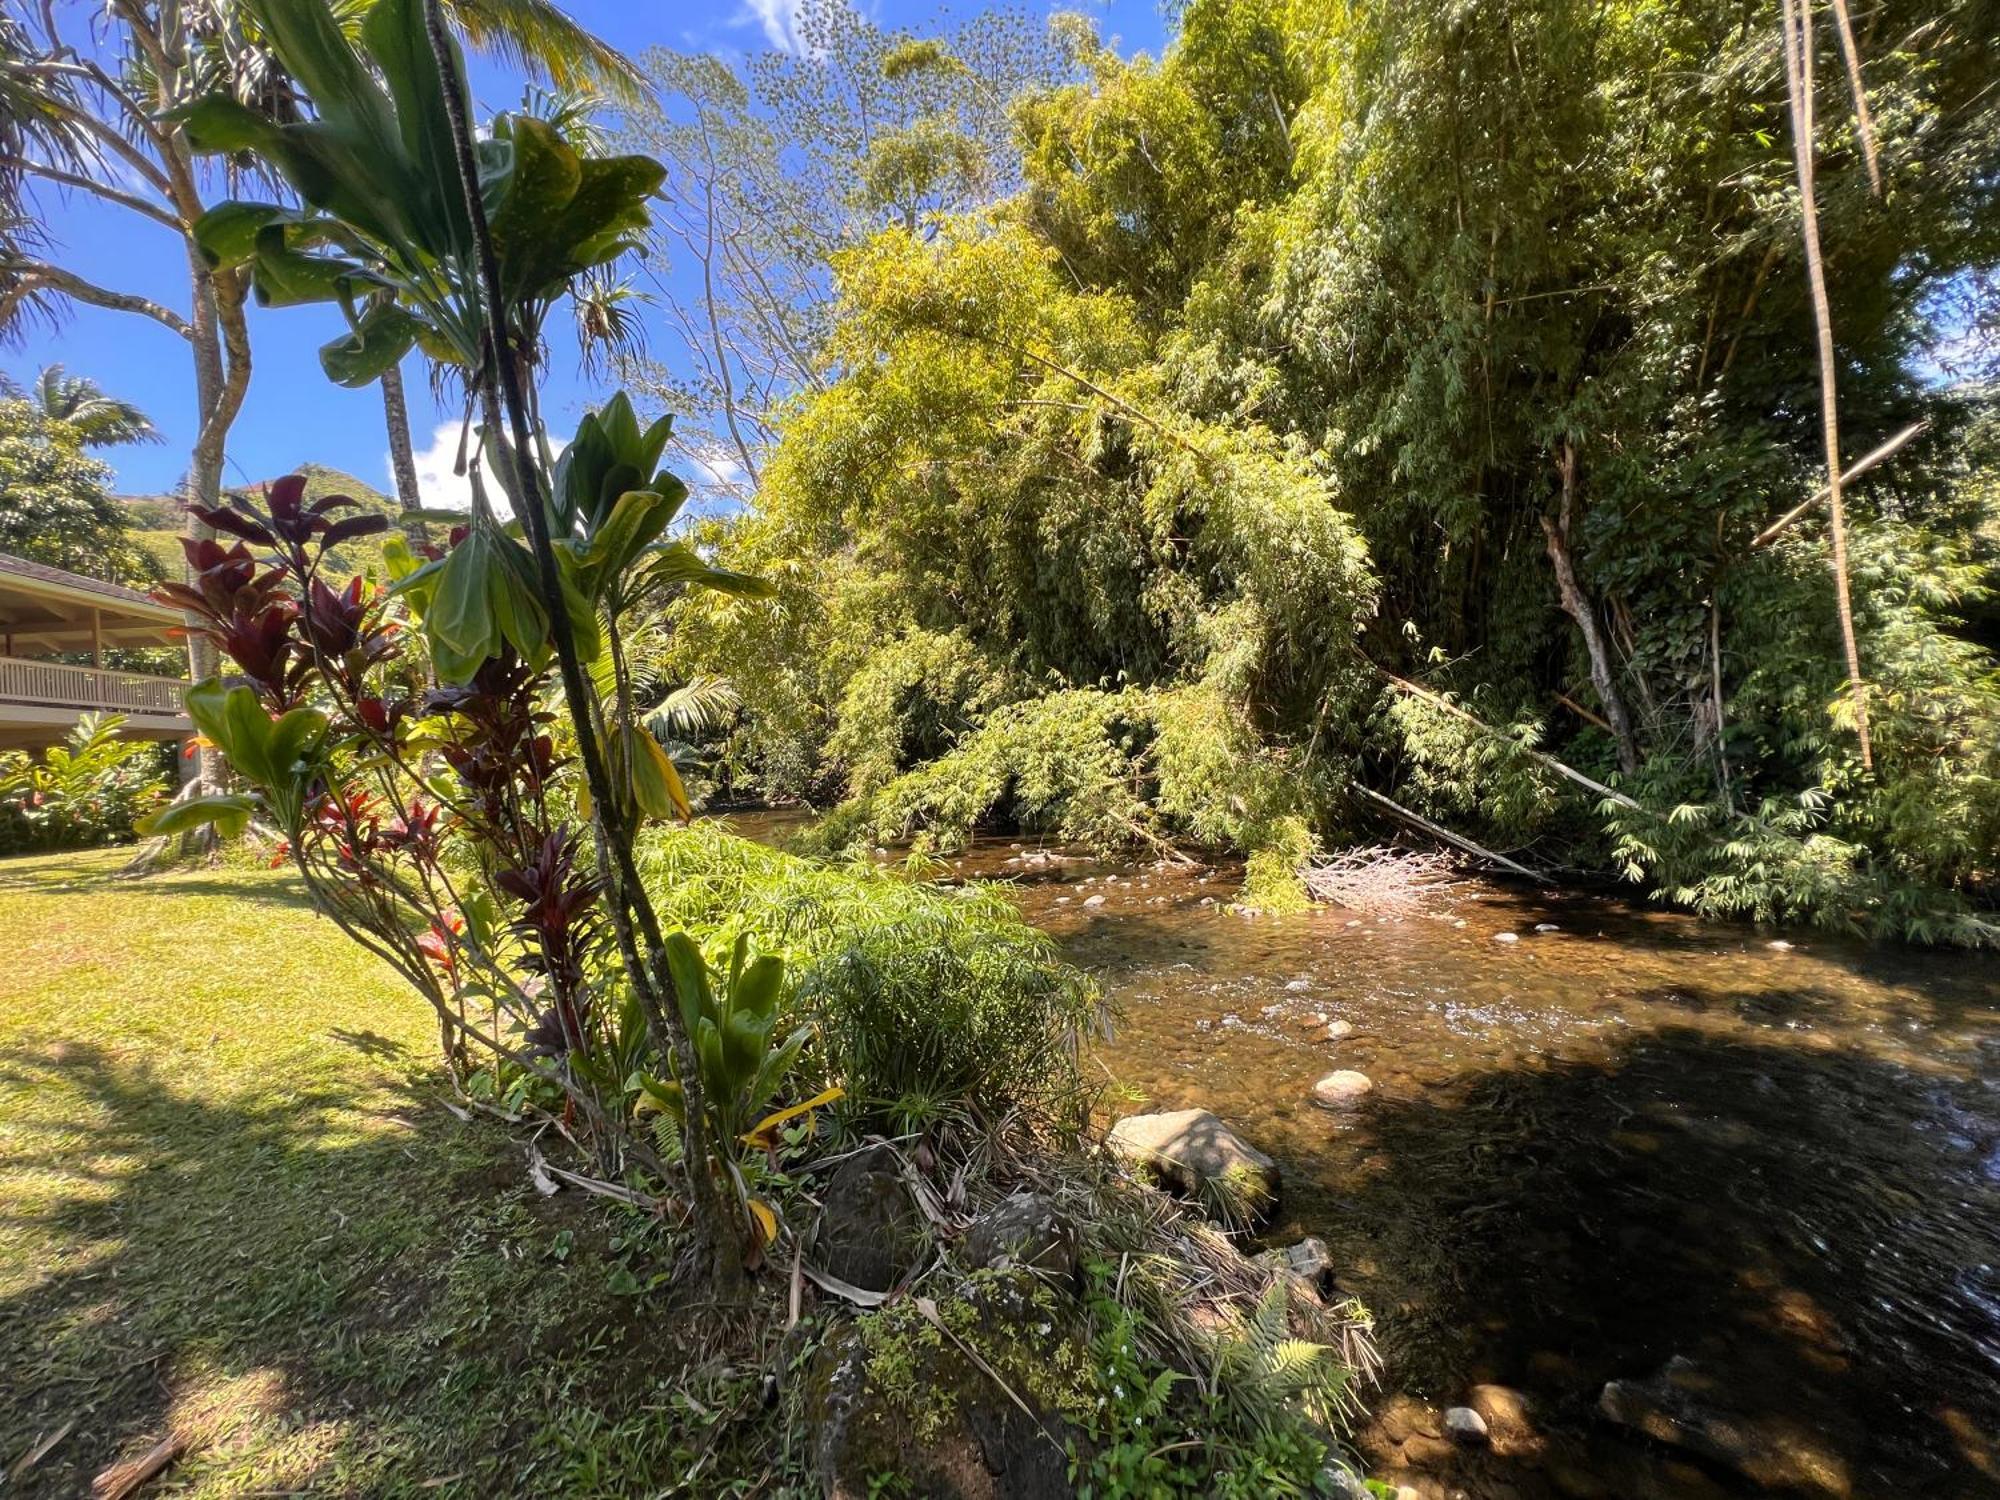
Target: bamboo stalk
1543	756
1860	466
1797	18
1457	841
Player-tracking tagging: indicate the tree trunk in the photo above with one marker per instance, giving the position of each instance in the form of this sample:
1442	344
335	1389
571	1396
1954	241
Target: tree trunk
1578	606
1798	80
402	458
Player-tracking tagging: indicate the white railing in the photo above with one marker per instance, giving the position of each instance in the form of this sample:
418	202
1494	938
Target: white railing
49	684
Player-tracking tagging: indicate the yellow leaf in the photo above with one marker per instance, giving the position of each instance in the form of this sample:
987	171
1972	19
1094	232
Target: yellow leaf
765	1131
765	1220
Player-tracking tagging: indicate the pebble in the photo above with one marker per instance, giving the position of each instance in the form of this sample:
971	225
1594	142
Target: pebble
1298	986
1342	1087
1506	937
1779	946
1547	927
1463	1424
1339	1030
1094	901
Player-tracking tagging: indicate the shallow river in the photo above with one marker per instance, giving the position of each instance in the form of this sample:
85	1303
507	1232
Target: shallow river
1624	1137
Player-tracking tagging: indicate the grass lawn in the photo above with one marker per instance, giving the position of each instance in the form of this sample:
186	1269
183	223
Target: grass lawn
234	1207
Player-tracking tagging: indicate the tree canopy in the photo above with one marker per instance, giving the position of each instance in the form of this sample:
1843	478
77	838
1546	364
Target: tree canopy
1343	347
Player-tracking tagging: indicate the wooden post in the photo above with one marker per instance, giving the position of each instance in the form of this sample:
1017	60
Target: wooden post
97	639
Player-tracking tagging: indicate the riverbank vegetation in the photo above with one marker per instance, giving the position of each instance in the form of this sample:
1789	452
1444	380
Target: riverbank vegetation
786	1074
1159	435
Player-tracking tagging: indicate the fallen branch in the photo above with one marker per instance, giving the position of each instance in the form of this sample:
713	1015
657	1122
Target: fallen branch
1861	466
1583	713
1457	841
1382	879
123	1479
1438	700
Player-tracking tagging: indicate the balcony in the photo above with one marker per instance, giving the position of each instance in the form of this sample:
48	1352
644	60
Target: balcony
46	610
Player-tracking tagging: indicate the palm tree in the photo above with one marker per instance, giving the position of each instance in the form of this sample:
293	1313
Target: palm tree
102	421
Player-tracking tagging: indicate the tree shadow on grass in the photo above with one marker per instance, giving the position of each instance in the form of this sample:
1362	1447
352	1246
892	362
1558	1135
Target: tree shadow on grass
192	1251
1818	1229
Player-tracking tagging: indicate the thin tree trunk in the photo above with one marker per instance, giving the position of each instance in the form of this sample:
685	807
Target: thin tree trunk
1578	606
402	457
1797	19
647	970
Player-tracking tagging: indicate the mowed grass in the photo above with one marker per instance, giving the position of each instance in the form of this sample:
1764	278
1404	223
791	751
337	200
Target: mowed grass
234	1208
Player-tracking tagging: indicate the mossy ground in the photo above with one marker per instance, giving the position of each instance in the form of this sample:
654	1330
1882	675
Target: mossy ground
234	1204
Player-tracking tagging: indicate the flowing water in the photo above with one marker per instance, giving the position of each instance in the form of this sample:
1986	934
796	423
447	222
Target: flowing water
1625	1137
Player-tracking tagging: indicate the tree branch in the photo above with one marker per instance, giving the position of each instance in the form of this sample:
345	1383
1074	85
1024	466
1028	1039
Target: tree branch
32	276
92	186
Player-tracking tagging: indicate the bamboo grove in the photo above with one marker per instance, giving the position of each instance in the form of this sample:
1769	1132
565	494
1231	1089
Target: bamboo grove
1371	400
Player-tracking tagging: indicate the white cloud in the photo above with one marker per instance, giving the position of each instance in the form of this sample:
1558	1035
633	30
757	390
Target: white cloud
779	18
442	489
717	469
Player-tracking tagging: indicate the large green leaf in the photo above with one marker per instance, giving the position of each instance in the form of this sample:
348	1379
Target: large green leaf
676	562
375	344
228	812
227	233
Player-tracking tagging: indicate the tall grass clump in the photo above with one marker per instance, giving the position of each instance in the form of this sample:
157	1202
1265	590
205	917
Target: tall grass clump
926	1001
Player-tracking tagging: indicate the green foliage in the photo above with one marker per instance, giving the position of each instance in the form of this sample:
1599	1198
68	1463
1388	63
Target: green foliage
730	1025
924	1001
89	789
385	235
54	507
1274	355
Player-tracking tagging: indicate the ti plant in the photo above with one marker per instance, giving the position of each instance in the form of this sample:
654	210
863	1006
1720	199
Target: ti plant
462	796
742	1066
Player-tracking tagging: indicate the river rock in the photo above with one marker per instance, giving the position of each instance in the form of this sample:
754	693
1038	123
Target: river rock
969	1441
1309	1260
1343	1086
1506	937
1298	986
1510	1427
1026	1229
870	1232
1093	901
1193	1152
1464	1425
1680	1406
1338	1031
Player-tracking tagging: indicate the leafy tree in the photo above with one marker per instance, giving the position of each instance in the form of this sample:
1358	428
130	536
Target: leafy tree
54	507
776	163
1345	347
102	421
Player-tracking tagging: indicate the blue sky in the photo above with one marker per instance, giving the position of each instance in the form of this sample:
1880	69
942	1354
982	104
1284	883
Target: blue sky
293	415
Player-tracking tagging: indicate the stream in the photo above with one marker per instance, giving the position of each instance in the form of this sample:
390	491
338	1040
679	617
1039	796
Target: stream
1623	1138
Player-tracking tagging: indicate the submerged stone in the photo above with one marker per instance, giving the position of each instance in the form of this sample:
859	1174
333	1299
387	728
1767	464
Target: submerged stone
1681	1407
1343	1086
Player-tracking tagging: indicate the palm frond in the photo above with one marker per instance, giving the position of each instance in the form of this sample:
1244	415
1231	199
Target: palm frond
697	706
539	36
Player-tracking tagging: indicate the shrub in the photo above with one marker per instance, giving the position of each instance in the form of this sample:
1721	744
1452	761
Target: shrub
86	791
926	999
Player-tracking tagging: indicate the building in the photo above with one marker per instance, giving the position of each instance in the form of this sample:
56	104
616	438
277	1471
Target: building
45	613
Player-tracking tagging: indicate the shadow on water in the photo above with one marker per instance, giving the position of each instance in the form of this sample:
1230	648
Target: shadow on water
1817	1231
1601	1138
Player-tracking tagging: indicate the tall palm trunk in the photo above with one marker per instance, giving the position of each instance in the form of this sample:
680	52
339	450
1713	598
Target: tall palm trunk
402	457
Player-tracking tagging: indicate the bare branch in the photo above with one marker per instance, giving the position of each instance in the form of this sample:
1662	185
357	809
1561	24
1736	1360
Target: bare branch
31	276
94	187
